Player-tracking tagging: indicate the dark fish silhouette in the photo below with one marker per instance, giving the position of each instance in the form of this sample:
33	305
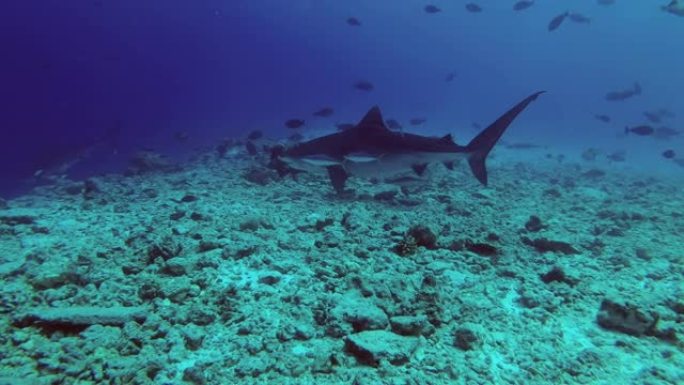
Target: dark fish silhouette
354	22
643	130
669	154
472	7
294	123
579	18
344	126
417	121
450	77
324	112
370	149
675	8
623	94
652	117
522	5
392	124
603	118
254	135
431	9
364	85
557	21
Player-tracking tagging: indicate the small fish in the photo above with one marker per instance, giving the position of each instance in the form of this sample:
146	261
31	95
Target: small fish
675	8
354	22
417	121
579	18
294	123
603	118
669	154
324	112
624	94
557	21
643	130
652	117
344	126
431	9
606	2
254	135
392	124
522	5
472	7
450	77
364	85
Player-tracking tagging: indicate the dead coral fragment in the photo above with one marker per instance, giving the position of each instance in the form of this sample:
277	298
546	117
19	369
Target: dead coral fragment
407	246
543	245
423	236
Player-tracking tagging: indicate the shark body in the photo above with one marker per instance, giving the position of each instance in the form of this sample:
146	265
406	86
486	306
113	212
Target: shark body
370	149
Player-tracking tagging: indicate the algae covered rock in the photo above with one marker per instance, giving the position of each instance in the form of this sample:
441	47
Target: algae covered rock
80	316
373	346
626	318
357	315
412	325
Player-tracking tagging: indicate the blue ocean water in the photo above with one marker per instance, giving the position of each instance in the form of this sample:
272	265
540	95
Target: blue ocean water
72	73
145	240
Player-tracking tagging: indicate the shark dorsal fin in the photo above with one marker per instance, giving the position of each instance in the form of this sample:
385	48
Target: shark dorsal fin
372	120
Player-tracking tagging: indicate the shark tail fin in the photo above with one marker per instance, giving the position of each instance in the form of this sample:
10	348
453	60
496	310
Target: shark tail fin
483	143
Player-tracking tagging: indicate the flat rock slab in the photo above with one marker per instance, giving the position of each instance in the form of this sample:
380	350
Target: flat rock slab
80	316
627	318
372	346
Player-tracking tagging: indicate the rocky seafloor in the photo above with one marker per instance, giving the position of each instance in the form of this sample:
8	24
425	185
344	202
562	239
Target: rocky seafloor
217	272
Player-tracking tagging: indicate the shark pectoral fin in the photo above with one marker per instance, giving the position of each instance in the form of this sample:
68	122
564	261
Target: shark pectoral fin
419	168
338	177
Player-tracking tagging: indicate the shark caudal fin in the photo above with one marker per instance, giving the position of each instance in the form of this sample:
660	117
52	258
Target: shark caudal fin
483	143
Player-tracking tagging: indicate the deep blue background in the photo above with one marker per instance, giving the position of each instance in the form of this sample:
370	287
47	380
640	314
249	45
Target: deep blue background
72	71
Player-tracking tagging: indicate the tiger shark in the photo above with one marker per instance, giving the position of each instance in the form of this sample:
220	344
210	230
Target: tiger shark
370	149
